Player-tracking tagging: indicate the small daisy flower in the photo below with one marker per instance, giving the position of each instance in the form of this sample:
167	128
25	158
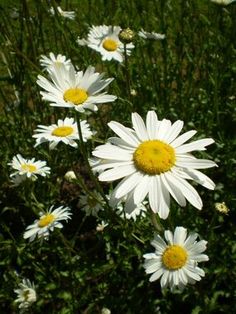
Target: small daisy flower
54	60
26	294
64	131
176	261
47	222
146	35
105	40
139	211
28	168
153	161
222	208
91	205
71	89
66	14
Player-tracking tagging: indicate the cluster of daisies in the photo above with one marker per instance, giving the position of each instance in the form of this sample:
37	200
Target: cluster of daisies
153	162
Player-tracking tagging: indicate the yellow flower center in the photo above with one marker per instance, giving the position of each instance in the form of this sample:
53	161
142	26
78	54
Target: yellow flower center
46	220
26	295
75	95
63	131
174	257
28	167
154	157
110	44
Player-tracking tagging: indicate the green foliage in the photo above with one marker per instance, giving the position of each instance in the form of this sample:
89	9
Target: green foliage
187	76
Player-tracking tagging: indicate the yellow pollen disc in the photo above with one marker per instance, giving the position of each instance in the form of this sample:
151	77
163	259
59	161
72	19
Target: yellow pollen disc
75	95
154	157
63	131
110	44
174	257
46	220
28	167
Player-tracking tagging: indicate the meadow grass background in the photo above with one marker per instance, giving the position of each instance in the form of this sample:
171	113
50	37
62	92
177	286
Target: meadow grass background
188	76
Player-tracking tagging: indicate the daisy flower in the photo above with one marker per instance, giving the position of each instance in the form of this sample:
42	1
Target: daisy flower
66	14
91	205
176	261
28	168
153	160
105	40
54	60
152	35
47	222
64	131
26	294
72	89
139	211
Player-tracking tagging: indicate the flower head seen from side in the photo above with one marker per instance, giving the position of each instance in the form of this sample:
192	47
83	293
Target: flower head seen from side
64	131
105	40
146	35
26	294
91	205
71	89
176	260
27	168
54	60
66	14
223	2
47	222
153	161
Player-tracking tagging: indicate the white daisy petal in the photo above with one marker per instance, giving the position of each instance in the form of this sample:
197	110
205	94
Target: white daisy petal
175	261
183	138
196	145
117	173
139	127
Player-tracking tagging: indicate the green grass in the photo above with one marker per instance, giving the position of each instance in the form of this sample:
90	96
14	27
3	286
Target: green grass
188	76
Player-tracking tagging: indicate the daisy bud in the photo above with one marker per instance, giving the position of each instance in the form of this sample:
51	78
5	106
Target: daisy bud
126	35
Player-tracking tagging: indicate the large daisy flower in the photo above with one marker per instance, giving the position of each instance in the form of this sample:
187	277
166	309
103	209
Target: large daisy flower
176	261
72	89
64	131
47	222
105	40
28	168
153	160
54	60
26	294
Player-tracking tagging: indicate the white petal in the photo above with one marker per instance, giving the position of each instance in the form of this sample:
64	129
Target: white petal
200	178
117	173
180	235
169	236
173	131
124	133
183	138
152	125
173	190
141	189
156	275
139	127
128	185
196	145
163	128
113	152
196	163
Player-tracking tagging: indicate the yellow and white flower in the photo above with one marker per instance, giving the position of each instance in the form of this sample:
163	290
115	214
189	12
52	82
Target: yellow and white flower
176	259
66	14
28	168
64	131
105	40
54	60
26	294
153	160
146	35
71	89
47	222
